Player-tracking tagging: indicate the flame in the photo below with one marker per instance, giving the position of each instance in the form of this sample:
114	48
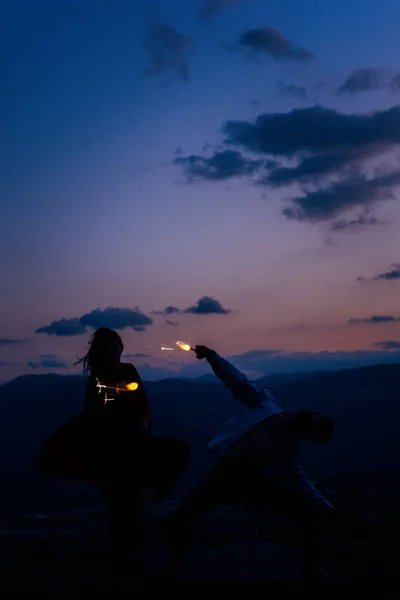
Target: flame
184	346
131	387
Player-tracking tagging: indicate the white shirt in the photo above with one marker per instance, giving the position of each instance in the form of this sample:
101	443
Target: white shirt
257	404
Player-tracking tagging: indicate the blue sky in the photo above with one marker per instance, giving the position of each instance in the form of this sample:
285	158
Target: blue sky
144	146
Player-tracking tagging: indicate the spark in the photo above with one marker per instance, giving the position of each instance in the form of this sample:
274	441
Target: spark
167	349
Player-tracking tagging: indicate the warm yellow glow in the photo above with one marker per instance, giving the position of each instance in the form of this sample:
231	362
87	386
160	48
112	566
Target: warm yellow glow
131	387
184	346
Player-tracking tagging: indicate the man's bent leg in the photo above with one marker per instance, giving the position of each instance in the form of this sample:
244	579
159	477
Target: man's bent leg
202	499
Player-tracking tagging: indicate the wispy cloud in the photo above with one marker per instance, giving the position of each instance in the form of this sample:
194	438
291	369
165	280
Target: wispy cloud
266	40
212	8
48	361
376	319
292	90
218	167
388	345
363	80
9	341
392	274
168	49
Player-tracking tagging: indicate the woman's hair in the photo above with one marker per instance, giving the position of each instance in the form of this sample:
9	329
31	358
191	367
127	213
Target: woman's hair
101	336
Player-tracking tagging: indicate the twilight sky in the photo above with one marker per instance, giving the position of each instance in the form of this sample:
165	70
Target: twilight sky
223	172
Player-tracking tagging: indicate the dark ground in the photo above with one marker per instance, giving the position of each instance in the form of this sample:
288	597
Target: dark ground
63	553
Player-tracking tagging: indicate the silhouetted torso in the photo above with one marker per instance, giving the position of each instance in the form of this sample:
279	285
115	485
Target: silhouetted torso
126	408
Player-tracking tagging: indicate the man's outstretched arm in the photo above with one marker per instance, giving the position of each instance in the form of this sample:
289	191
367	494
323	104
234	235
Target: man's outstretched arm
243	390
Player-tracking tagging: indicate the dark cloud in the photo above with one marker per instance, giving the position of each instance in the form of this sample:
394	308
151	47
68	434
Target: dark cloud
315	130
388	345
292	90
168	50
117	318
48	361
211	8
394	84
114	318
218	167
327	203
9	341
204	306
308	170
362	80
357	224
207	306
331	149
377	319
63	328
274	43
394	273
172	323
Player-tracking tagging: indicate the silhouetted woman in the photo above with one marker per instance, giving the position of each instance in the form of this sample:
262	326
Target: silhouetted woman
110	443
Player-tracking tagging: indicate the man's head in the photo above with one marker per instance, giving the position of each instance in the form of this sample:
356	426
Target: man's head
314	427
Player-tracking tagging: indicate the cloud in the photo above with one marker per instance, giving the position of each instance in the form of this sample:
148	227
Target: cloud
388	345
114	318
9	341
394	273
394	84
134	355
172	323
377	319
218	167
273	42
315	130
292	90
207	306
310	169
352	225
327	203
169	310
362	80
63	328
117	318
168	50
48	361
211	8
331	149
204	306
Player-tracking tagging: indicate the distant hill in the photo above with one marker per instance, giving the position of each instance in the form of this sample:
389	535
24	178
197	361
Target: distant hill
364	403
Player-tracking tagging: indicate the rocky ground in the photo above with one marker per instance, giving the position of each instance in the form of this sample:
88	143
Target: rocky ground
62	553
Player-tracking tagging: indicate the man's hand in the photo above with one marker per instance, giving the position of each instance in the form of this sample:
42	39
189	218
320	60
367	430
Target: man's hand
202	352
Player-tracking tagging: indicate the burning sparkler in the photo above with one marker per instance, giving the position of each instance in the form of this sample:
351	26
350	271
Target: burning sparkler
184	346
120	387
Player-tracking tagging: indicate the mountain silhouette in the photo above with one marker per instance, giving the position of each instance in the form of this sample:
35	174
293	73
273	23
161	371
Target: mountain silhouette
364	403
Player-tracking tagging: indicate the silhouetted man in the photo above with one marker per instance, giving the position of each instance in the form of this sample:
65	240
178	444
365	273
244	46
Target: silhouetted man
256	455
